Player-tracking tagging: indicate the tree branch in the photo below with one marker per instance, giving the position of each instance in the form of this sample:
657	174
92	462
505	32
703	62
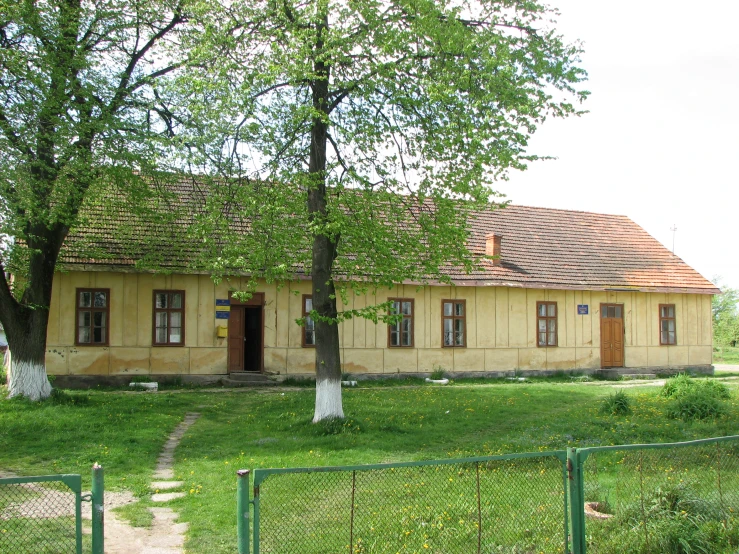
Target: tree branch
338	154
123	86
13	139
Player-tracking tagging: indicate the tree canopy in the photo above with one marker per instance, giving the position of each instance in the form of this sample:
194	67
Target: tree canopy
369	126
347	137
80	105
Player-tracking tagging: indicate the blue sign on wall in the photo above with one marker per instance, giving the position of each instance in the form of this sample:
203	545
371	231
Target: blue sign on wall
222	315
223	301
582	309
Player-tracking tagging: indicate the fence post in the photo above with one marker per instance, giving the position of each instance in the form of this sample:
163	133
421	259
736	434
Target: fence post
255	501
577	502
242	510
98	510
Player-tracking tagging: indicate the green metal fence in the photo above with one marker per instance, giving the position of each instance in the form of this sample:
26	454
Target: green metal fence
506	504
43	514
603	500
655	498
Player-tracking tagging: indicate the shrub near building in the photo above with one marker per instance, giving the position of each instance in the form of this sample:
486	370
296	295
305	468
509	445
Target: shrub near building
695	398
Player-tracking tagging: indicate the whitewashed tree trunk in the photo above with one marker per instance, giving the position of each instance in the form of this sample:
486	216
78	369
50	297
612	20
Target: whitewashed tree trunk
328	400
325	248
26	332
28	379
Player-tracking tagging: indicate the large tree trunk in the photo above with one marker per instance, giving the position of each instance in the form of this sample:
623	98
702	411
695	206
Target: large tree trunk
328	358
26	322
27	342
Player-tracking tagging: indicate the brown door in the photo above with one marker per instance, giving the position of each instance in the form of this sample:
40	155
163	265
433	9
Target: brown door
611	335
246	334
236	339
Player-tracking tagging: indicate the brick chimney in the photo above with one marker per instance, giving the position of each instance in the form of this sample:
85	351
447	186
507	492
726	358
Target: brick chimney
492	247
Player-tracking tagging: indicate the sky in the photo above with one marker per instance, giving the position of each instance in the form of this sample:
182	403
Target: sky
660	143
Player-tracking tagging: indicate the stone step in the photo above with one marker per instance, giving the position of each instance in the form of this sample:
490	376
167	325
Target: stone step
249	377
166	496
625	373
166	485
231	383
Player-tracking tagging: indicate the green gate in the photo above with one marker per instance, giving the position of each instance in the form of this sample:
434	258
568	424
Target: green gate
43	514
509	503
647	498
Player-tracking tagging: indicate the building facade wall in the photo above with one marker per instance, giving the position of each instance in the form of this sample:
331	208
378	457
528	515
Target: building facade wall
500	329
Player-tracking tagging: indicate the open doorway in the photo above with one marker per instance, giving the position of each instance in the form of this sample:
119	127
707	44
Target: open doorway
246	335
253	338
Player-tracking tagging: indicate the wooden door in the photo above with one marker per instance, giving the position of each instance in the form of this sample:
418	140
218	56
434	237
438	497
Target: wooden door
611	335
236	339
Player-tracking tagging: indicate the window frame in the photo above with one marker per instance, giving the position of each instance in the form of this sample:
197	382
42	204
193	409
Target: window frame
400	323
154	311
303	329
673	319
453	318
547	318
91	309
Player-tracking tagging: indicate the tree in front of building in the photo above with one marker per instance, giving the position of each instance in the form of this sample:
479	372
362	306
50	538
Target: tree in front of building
79	106
351	133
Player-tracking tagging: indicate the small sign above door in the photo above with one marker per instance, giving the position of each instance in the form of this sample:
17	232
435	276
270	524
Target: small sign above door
582	309
223	301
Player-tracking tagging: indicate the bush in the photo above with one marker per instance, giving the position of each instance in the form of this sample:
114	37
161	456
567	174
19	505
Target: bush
616	404
694	399
677	385
683	384
681	535
716	388
697	404
437	374
679	522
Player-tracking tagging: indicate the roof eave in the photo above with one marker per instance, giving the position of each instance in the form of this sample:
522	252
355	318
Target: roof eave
460	282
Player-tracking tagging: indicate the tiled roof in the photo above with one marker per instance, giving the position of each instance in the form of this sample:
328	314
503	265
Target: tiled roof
541	248
563	249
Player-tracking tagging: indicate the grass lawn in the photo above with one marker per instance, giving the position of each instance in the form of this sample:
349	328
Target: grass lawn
259	428
726	355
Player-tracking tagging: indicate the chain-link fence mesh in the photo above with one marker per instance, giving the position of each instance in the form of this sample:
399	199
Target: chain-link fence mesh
507	506
37	518
657	500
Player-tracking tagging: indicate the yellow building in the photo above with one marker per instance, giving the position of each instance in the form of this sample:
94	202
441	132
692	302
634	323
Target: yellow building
566	291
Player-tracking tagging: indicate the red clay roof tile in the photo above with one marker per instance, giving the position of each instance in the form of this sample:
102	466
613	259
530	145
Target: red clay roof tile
541	248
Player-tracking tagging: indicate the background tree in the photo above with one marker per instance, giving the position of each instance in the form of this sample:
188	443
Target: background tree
725	308
78	108
355	135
